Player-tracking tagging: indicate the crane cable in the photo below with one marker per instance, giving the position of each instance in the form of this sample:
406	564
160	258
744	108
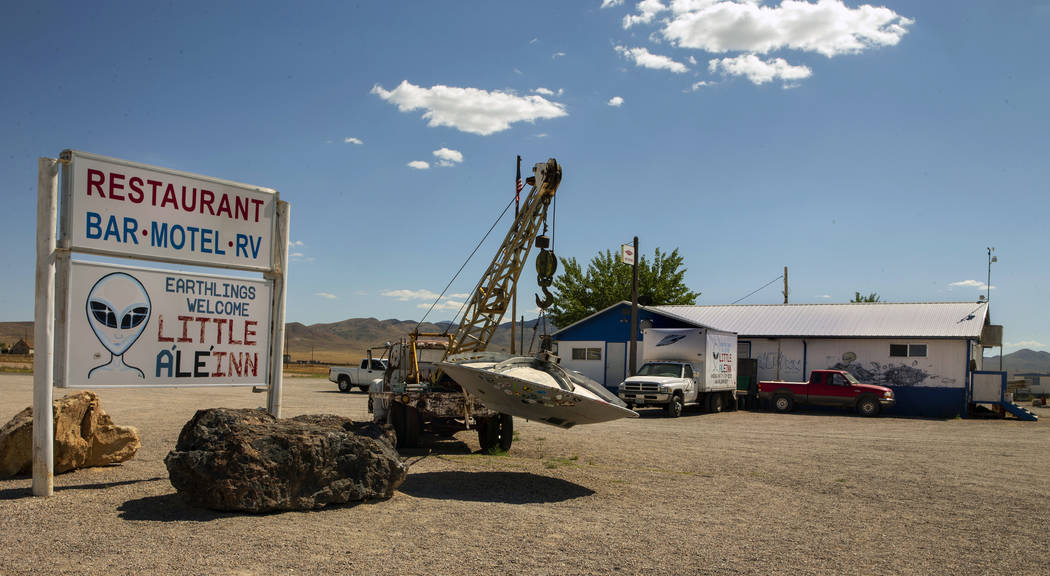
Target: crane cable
767	284
456	275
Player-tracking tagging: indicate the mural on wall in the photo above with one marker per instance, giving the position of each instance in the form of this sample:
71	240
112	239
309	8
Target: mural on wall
768	361
890	374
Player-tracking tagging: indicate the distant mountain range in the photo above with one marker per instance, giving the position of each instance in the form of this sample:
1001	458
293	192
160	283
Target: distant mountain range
346	341
1020	362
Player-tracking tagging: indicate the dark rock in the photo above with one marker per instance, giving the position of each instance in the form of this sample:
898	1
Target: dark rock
247	460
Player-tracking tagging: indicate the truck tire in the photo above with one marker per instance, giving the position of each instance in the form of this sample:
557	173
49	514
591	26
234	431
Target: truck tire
344	383
413	426
397	420
674	407
868	406
715	403
783	403
496	434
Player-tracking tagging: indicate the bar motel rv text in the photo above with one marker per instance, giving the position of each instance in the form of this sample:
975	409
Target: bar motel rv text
126	230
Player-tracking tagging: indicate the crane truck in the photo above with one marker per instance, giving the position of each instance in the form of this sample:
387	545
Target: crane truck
414	394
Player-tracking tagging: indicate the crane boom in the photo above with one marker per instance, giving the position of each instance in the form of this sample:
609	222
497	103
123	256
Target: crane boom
491	298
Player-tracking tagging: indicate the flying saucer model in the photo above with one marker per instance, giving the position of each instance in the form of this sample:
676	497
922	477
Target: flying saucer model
534	389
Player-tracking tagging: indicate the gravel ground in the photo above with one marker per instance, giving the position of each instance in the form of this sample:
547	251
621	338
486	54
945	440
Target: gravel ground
731	493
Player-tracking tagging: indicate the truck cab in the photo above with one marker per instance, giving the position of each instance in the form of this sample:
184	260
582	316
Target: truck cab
668	383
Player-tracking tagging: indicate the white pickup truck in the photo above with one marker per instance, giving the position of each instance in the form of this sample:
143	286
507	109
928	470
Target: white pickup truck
684	367
360	377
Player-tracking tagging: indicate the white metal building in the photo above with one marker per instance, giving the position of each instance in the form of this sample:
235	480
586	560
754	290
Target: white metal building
926	352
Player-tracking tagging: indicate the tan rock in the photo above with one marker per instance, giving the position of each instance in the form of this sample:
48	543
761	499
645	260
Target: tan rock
84	436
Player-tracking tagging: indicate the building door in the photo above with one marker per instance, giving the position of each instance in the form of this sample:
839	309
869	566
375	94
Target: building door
615	364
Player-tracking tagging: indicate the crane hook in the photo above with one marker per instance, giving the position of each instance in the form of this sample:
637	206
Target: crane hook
546	267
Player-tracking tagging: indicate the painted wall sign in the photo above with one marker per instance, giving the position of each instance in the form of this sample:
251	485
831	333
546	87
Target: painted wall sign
138	211
139	327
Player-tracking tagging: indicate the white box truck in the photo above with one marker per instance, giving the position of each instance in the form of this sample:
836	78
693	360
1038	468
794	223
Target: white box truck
684	367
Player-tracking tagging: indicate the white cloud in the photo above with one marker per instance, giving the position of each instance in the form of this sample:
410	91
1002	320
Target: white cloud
827	27
759	71
327	295
296	243
642	57
611	3
544	91
971	284
1032	344
557	55
352	140
445	304
824	296
647	11
698	85
616	101
418	165
406	295
541	135
448	157
470	110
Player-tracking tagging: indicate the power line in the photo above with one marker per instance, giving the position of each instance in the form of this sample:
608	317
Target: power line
767	284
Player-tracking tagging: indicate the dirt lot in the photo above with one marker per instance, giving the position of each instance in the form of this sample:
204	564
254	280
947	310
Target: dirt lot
732	493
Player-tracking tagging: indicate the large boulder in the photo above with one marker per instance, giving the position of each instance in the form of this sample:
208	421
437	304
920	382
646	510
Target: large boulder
249	461
85	436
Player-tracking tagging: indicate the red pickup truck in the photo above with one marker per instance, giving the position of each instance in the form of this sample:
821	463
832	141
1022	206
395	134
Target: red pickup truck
827	388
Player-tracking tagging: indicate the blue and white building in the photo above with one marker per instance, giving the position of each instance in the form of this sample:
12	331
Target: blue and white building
926	352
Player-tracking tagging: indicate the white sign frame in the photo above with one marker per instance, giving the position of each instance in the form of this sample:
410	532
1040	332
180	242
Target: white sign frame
57	239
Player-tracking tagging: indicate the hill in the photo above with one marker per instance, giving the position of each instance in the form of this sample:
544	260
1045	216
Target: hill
11	332
1024	360
346	341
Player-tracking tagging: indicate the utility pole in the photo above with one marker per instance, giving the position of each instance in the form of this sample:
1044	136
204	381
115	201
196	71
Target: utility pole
634	311
785	284
988	284
514	290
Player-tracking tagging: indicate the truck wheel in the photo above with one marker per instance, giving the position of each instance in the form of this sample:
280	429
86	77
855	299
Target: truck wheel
506	431
413	425
716	402
397	420
782	403
868	406
674	407
344	384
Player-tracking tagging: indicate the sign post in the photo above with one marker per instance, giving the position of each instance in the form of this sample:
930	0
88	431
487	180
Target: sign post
139	327
43	329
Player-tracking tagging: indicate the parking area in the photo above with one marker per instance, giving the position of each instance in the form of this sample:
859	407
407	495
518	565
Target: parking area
736	492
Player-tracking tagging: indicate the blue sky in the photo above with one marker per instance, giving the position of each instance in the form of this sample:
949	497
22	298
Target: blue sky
872	148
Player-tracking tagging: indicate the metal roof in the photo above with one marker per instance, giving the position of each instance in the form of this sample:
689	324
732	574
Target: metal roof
863	320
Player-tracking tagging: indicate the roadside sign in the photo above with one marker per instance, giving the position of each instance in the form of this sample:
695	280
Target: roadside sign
143	327
132	210
627	253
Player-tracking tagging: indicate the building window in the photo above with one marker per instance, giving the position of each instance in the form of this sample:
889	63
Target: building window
586	353
907	350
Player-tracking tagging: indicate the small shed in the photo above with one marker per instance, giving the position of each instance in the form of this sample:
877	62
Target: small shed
925	352
21	348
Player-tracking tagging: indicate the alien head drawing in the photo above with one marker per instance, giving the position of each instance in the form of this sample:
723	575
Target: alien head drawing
118	308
